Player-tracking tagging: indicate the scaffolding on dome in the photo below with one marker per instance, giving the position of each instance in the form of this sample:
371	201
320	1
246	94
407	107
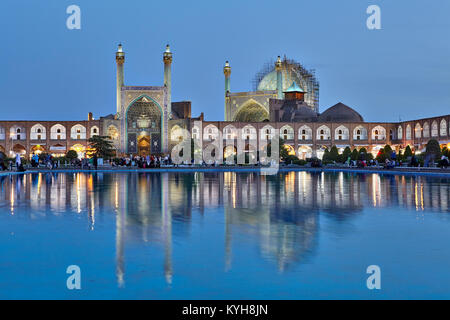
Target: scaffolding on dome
306	79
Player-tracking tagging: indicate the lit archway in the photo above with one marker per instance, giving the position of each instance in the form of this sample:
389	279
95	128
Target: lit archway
251	111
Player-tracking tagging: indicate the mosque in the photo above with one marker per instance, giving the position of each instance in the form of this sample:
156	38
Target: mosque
284	101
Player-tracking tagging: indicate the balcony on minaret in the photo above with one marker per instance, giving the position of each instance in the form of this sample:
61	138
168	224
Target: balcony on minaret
294	92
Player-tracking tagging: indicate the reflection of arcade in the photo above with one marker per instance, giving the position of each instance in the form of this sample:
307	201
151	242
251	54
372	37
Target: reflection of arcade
281	212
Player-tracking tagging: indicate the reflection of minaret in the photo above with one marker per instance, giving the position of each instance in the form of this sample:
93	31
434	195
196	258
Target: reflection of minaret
120	226
166	227
228	242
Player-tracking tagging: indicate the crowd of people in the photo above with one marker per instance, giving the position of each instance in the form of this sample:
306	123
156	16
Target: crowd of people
149	161
152	161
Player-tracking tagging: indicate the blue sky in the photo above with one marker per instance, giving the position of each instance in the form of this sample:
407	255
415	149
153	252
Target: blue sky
49	72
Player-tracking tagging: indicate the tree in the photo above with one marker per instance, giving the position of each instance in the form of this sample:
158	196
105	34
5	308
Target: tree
347	153
71	155
355	154
433	149
381	156
445	152
284	153
102	147
388	151
408	152
334	154
326	155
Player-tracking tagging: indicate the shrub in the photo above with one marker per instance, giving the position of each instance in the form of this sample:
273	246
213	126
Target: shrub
347	153
71	155
433	148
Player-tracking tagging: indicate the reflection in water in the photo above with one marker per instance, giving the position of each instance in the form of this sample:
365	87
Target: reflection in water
281	212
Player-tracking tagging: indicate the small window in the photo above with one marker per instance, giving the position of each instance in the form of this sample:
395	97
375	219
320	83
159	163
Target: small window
18	137
58	137
95	130
18	130
58	131
78	136
39	137
39	130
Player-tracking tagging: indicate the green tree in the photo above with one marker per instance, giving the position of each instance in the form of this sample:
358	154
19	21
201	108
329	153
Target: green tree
408	152
381	156
388	151
284	153
101	146
355	154
326	155
433	148
445	151
334	154
347	153
71	154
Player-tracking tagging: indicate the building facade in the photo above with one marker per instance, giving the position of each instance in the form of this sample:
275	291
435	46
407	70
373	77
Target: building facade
284	101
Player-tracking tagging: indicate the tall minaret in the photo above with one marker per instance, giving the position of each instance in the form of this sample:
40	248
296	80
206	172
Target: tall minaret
279	69
167	58
120	59
227	73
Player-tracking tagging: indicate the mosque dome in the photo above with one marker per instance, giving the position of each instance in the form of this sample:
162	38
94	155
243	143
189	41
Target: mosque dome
340	113
292	71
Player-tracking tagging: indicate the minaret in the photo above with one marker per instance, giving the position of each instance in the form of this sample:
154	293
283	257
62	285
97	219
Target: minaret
167	58
279	69
120	59
227	73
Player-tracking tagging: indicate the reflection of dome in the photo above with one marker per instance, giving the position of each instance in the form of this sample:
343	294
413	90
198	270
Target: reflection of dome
340	113
292	72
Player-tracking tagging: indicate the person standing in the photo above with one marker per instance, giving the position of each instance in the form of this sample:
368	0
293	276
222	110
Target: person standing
18	161
95	161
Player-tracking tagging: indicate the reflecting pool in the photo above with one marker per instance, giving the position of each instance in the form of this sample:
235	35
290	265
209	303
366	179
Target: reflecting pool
224	235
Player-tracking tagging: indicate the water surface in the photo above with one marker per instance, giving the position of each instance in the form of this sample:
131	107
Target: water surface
229	235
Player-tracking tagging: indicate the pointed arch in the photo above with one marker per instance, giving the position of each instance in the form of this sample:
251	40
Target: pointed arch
287	132
418	130
379	133
443	128
38	132
251	111
323	133
434	129
305	133
360	133
341	133
58	132
78	132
